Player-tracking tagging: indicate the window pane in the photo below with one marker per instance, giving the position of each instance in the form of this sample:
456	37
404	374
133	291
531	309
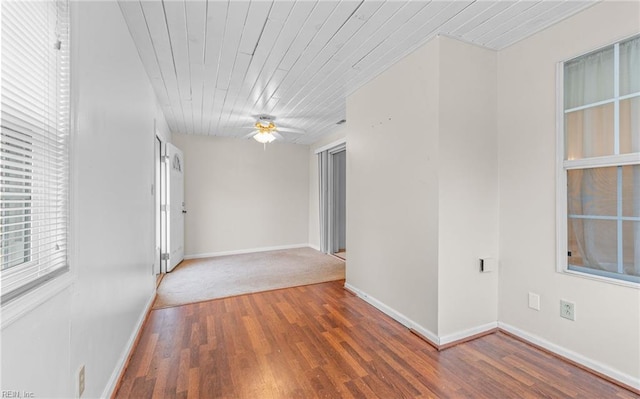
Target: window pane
631	247
630	125
588	79
629	66
631	191
592	191
589	132
574	254
593	244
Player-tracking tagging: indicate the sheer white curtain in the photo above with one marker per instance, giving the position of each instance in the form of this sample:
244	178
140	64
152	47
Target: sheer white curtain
588	80
630	84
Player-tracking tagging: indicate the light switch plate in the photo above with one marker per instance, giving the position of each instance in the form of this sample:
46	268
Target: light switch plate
534	301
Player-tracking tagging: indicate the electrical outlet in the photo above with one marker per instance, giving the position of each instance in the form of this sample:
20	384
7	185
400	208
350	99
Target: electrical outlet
567	310
534	301
81	382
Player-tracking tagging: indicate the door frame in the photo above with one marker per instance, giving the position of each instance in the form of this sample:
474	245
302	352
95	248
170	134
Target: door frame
160	202
328	225
158	186
333	237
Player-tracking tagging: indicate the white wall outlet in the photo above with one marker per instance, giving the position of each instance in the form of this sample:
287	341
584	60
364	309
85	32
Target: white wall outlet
81	381
534	301
567	310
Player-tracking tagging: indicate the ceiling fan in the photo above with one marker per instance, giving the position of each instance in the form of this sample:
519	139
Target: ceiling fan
266	130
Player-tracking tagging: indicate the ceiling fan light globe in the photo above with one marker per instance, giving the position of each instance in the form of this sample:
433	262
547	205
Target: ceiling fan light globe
264	138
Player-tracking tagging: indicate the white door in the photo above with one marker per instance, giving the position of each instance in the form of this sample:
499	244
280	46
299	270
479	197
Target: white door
175	206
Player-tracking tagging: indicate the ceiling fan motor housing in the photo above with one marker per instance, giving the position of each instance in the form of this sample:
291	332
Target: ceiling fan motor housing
265	123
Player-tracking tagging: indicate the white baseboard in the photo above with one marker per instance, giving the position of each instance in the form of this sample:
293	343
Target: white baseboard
245	251
573	356
460	335
404	320
317	248
124	356
394	314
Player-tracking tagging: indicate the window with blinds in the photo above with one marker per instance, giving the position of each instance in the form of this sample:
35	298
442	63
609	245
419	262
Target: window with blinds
34	181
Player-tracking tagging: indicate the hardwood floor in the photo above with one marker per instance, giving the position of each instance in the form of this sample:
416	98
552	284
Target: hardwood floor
320	341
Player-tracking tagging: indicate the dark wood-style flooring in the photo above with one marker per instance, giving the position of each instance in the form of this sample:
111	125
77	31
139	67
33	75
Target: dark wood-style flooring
321	341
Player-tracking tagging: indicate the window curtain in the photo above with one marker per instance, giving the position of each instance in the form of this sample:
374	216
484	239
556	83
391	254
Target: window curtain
630	122
588	80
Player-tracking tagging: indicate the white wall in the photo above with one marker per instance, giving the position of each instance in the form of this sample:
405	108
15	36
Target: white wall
392	187
468	187
92	322
36	350
607	327
422	204
314	184
240	196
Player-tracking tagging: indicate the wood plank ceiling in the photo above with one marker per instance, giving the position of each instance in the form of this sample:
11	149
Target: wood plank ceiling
215	65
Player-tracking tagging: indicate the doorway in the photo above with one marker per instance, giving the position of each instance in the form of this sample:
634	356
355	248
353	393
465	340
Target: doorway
332	166
338	203
168	195
157	199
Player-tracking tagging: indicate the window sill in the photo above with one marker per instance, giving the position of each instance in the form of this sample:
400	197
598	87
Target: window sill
608	280
19	307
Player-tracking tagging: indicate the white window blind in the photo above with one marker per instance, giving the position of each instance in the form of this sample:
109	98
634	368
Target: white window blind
34	144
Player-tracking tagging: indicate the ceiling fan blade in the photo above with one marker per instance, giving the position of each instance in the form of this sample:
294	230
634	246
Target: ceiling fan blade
277	135
291	130
251	134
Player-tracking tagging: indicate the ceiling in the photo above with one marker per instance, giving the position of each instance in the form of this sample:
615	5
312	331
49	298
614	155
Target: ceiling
215	64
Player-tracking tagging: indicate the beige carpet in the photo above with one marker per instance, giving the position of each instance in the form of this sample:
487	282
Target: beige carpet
204	279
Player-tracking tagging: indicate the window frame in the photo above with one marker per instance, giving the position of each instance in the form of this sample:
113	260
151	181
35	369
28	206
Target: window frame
563	166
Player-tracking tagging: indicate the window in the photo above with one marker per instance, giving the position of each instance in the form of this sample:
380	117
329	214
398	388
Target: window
33	144
600	169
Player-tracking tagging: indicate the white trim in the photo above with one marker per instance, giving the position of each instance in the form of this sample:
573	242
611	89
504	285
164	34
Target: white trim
246	251
561	175
124	356
394	314
573	356
592	105
331	145
470	332
407	322
595	277
323	200
21	306
603	162
337	149
317	248
616	99
598	217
